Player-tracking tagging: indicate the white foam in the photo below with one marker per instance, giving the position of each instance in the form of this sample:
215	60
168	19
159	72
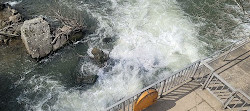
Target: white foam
89	52
152	35
13	3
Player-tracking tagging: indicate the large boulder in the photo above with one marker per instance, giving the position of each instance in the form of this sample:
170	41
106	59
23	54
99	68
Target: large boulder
35	34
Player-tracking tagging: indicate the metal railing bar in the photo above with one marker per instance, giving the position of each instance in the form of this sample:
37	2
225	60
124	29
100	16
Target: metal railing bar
182	77
243	93
167	84
243	104
229	51
188	72
204	75
128	104
199	69
217	84
222	87
159	86
237	101
194	70
233	60
246	40
208	66
132	108
175	80
214	95
224	82
162	89
231	97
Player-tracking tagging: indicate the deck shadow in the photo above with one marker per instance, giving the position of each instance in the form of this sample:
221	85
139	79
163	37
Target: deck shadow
169	99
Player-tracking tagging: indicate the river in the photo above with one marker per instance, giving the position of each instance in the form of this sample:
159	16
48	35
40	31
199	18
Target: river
150	40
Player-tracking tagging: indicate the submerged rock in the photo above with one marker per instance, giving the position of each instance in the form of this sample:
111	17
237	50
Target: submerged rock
107	40
35	34
91	79
99	56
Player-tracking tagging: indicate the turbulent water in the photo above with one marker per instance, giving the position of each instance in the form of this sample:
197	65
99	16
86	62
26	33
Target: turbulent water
150	40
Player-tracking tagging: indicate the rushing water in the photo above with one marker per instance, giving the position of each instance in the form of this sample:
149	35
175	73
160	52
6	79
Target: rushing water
150	39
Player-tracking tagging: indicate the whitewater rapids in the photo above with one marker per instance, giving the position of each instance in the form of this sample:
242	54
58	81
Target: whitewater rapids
153	39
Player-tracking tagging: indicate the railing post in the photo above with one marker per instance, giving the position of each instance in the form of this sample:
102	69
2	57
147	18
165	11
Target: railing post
208	80
196	68
123	106
210	77
231	97
163	86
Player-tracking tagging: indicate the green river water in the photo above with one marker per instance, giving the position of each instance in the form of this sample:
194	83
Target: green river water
150	39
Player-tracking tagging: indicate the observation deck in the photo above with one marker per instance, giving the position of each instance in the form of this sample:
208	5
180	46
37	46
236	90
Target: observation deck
232	68
220	82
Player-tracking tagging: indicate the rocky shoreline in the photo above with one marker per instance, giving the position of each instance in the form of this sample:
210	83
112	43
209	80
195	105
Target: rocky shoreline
10	24
40	39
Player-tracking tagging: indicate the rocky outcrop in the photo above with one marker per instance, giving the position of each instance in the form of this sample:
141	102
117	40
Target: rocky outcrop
10	23
35	34
99	56
15	18
40	41
8	15
61	37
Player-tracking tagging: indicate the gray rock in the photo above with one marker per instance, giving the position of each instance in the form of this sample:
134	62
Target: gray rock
14	12
99	56
61	37
91	79
12	29
15	18
10	24
35	34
